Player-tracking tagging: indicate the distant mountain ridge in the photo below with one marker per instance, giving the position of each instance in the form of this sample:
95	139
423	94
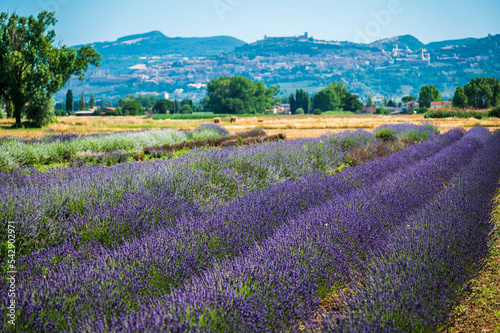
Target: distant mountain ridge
277	46
157	44
404	41
153	62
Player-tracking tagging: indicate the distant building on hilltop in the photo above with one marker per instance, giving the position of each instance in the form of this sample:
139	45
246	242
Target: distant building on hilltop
305	37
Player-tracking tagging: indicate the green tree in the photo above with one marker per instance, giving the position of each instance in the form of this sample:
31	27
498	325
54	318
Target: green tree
40	109
391	104
176	106
299	111
69	101
163	106
187	101
483	92
81	104
121	102
104	104
326	100
460	99
29	62
186	109
238	95
407	99
347	101
427	95
293	105
352	103
369	103
132	107
91	101
303	100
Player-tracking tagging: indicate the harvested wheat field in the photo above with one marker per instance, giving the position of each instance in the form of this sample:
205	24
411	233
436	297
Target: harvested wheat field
296	126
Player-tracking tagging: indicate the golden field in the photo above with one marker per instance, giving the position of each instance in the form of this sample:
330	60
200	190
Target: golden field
292	126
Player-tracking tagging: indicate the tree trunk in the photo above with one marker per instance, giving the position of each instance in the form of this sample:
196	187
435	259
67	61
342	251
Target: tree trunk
8	108
18	111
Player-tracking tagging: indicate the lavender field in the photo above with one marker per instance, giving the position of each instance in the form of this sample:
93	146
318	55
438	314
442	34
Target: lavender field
256	238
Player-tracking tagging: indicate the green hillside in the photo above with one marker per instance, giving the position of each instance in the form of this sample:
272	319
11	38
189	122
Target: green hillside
156	43
406	41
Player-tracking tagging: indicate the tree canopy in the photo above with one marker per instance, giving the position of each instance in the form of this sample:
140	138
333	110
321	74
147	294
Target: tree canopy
239	95
163	106
91	101
427	95
31	67
335	97
460	99
407	99
300	100
186	109
132	107
69	101
483	92
369	102
326	100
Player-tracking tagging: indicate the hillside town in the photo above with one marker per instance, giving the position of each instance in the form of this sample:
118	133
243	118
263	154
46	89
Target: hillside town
315	62
197	71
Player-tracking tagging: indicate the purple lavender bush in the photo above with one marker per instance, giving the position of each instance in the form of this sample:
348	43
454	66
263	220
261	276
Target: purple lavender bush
245	239
423	272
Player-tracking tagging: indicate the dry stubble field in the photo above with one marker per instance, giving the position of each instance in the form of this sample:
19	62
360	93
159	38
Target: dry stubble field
292	126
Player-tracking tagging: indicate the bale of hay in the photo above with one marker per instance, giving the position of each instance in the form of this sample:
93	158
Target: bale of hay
229	143
217	120
233	119
275	137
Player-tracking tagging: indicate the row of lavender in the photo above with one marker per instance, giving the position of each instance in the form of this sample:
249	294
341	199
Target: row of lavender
66	283
56	148
274	285
130	199
423	272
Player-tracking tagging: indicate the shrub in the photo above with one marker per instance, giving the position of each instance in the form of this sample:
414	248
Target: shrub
299	111
208	131
40	110
495	112
445	113
385	134
423	109
382	111
133	108
317	112
186	109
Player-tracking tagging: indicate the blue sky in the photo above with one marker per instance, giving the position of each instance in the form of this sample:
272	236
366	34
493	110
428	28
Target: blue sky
87	21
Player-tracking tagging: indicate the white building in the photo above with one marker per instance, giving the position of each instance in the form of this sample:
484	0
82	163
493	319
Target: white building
409	107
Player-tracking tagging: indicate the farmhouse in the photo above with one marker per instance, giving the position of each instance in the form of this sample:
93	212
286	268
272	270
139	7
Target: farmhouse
409	107
437	105
369	110
85	113
282	108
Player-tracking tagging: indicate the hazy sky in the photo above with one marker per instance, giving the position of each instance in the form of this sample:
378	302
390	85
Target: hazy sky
87	21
